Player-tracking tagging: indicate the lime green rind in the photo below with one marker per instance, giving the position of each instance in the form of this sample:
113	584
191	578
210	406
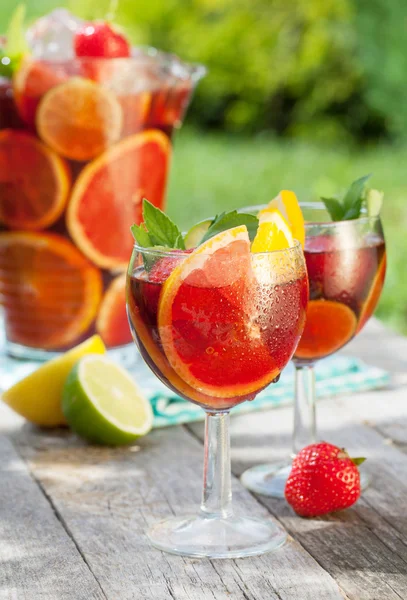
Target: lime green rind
83	412
196	233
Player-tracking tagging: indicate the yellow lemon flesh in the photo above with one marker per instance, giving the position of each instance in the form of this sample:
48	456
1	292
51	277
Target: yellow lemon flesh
273	233
38	396
287	205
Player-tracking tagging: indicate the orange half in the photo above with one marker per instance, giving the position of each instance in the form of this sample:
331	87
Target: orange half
49	292
374	295
34	182
79	119
112	324
204	320
329	326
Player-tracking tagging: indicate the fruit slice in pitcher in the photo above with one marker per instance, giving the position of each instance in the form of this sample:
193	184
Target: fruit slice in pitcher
79	119
112	324
205	323
106	198
34	182
49	292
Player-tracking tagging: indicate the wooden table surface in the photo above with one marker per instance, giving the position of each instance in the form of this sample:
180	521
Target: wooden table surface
72	517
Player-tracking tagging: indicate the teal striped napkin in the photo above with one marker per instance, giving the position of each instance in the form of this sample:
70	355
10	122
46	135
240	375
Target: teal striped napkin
335	375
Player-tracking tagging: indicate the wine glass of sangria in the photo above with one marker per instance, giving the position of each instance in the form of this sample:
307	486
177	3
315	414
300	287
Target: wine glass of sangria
346	264
217	324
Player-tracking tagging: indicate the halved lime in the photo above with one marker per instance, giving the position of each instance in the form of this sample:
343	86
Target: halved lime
103	404
196	233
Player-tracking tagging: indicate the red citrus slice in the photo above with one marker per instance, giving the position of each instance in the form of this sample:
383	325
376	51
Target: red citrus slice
106	198
329	326
112	324
34	182
374	295
49	292
30	82
206	320
79	119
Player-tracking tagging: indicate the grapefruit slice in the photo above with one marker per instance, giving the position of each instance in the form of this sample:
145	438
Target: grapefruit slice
106	198
287	204
49	291
30	82
205	324
374	295
79	119
34	182
329	326
112	324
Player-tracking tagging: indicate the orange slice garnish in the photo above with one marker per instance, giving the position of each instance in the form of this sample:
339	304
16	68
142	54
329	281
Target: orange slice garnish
79	119
374	295
206	320
111	323
329	326
273	233
49	291
287	204
34	182
107	196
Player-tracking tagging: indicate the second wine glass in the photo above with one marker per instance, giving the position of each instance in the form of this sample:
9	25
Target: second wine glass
346	263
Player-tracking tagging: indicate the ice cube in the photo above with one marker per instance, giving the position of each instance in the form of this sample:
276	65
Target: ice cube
51	37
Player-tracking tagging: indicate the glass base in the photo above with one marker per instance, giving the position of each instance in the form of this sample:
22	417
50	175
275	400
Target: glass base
208	537
270	480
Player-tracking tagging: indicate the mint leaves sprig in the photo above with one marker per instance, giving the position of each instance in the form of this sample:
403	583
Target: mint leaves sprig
356	199
158	230
16	45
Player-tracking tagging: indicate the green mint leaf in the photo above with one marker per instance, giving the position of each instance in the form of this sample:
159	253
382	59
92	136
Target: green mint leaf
354	211
373	202
354	193
141	236
229	220
16	45
162	231
335	208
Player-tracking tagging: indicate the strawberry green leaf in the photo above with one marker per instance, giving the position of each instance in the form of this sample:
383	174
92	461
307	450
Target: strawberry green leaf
358	461
229	220
162	231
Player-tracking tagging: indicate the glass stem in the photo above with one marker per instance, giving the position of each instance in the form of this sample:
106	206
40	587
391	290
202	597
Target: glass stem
304	408
217	491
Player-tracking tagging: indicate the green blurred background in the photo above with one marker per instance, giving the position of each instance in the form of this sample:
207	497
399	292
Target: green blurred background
300	94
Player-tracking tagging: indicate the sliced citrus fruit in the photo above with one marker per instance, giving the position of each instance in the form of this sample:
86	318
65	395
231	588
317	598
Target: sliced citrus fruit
79	119
287	204
30	82
273	233
103	404
106	198
38	396
196	233
49	291
205	324
112	323
374	295
34	182
135	112
329	326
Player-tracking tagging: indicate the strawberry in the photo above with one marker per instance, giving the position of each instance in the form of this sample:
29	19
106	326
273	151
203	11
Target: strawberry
99	39
323	479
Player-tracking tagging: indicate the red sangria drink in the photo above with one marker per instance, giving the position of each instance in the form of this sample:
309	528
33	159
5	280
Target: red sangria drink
346	264
216	323
86	124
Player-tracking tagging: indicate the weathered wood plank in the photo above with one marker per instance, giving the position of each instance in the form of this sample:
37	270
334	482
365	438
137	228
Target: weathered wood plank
38	559
364	548
107	498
